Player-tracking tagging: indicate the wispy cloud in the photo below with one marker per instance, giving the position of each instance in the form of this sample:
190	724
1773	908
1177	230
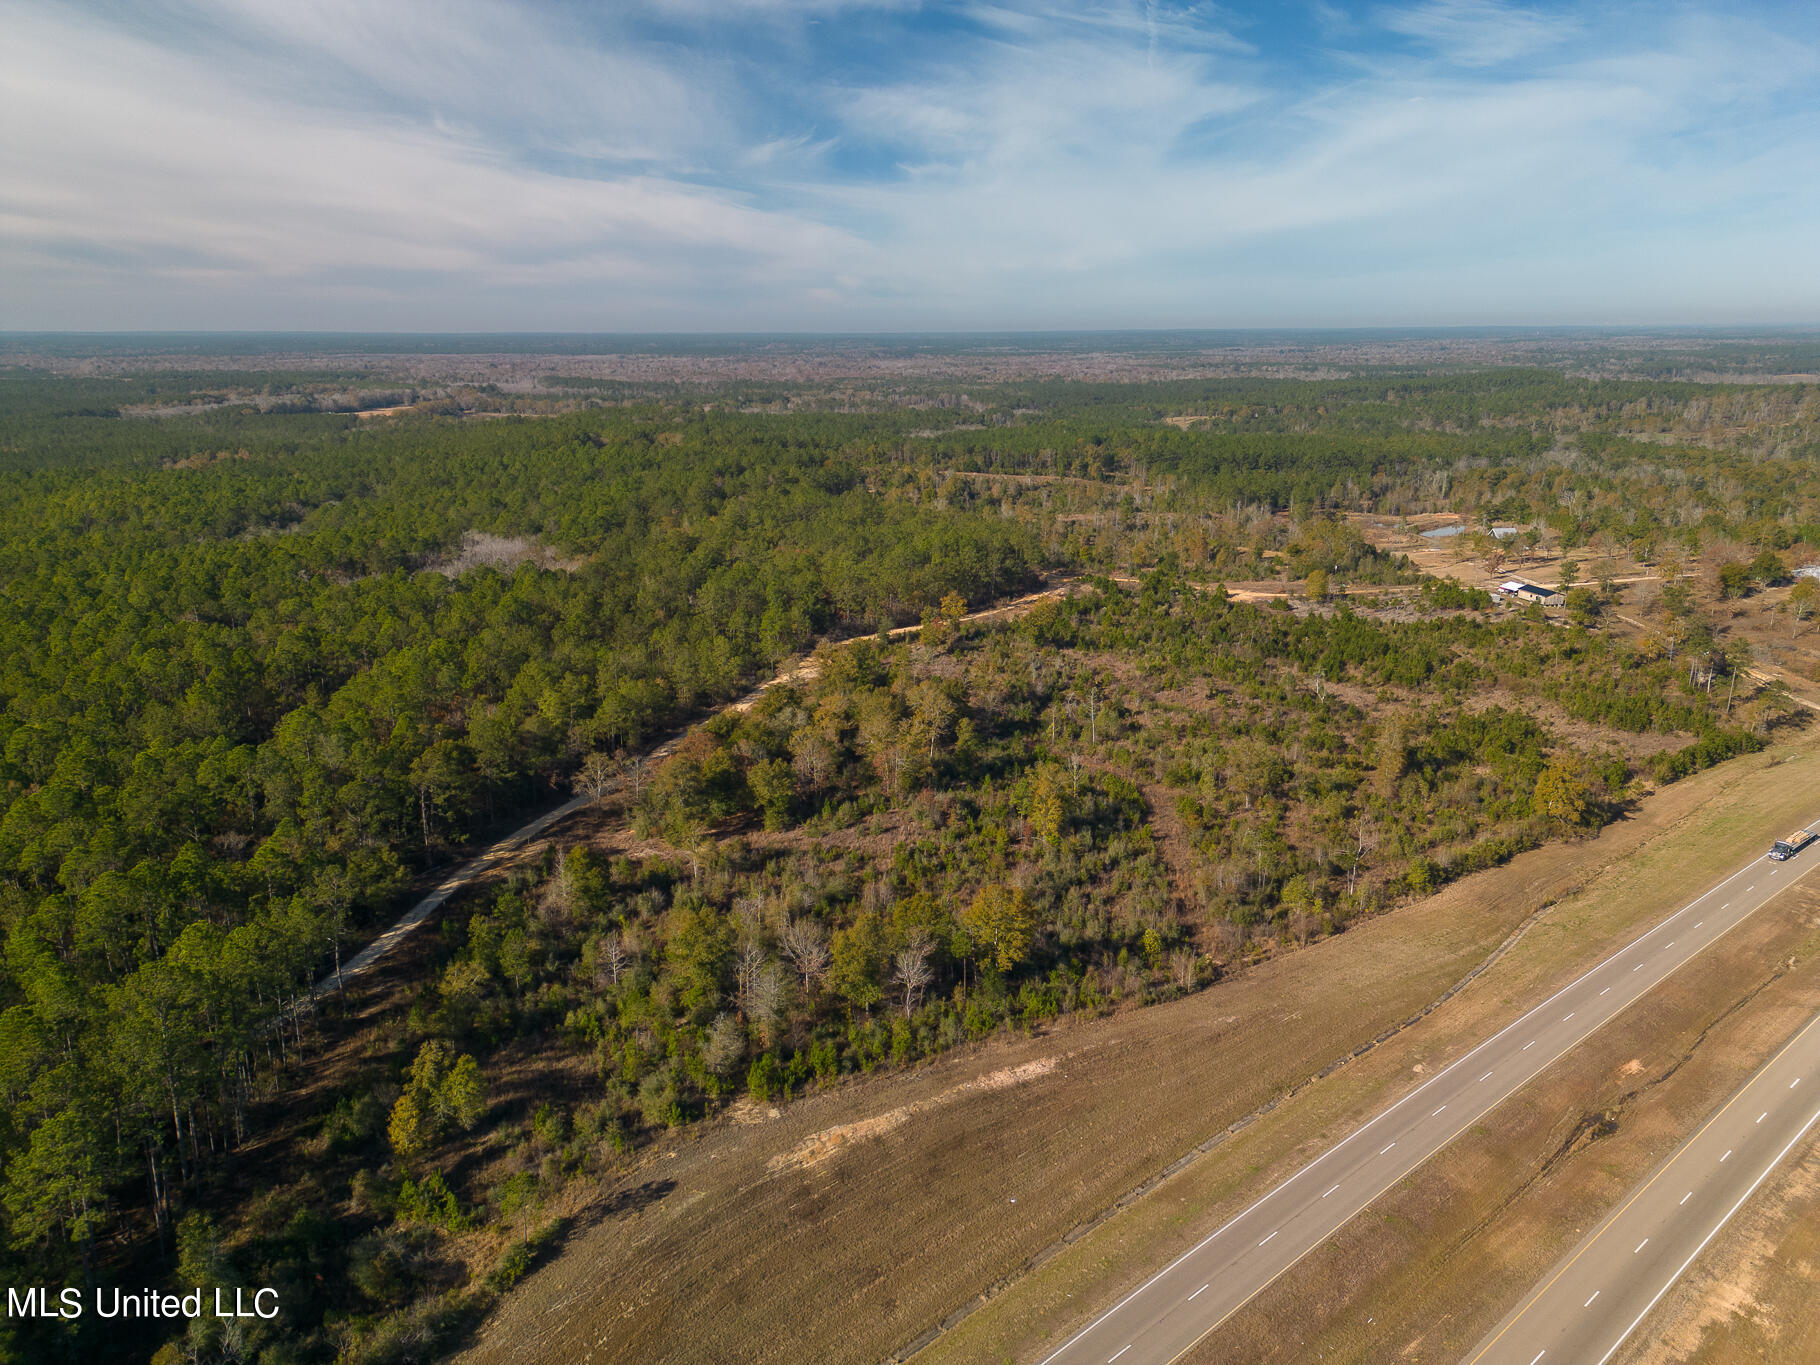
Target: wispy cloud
142	155
1481	32
871	163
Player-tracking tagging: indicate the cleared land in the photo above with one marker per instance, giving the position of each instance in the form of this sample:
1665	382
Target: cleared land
1783	648
853	1256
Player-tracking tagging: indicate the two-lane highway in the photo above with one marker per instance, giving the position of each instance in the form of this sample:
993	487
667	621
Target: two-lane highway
1166	1315
1587	1305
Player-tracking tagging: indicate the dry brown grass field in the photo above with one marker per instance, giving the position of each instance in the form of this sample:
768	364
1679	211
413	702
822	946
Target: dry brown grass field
927	1189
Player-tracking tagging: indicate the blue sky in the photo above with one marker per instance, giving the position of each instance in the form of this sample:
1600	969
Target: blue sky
893	165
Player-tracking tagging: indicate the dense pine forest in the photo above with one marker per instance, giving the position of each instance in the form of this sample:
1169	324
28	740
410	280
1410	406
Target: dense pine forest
270	668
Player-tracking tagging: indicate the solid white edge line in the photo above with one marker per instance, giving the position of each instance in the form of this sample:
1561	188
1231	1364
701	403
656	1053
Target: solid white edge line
1709	1237
1385	1113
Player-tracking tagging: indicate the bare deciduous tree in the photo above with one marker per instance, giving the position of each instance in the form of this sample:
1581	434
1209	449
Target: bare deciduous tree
1183	966
1092	703
749	917
556	899
1364	838
746	972
634	778
726	1047
597	776
766	1000
806	946
611	958
813	758
911	971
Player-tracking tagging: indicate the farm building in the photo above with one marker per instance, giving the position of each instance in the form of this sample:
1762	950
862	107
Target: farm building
1530	592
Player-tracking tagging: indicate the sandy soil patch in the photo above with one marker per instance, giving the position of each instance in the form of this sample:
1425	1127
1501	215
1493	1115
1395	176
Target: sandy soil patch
818	1147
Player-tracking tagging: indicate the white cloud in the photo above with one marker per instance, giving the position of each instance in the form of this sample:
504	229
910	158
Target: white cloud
1083	196
488	63
142	156
481	164
1480	32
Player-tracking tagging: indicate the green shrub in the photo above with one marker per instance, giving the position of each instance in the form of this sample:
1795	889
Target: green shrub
430	1201
353	1123
764	1079
511	1267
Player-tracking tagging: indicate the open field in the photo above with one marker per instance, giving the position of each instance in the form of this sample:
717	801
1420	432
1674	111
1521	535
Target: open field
943	1189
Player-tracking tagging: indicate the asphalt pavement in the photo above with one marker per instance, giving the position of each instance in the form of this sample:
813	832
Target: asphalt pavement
1173	1310
1587	1305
